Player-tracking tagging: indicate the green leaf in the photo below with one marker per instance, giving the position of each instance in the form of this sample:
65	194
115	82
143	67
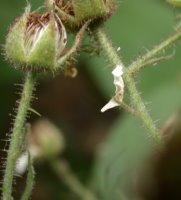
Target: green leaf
122	156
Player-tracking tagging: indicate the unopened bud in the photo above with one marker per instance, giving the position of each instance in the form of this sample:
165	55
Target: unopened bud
75	12
36	41
46	140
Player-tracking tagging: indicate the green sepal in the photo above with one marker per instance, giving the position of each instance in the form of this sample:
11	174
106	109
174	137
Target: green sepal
89	9
14	46
44	54
84	10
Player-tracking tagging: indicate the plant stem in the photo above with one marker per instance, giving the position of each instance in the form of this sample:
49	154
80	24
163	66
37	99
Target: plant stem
113	58
75	47
144	60
29	179
64	172
129	109
17	136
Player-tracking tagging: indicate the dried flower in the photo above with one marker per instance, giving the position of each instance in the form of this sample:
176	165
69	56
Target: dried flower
119	84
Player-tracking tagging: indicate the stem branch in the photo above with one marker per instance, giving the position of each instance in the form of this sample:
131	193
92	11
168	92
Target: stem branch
113	58
17	136
136	65
62	169
75	47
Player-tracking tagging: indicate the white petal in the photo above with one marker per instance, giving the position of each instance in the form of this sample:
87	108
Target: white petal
111	104
119	84
119	48
22	163
118	71
60	38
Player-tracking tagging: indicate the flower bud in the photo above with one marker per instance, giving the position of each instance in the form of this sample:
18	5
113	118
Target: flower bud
175	2
75	12
46	140
92	9
36	41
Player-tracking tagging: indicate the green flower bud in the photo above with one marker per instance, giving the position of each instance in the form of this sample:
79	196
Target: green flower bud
45	141
75	12
175	2
36	41
92	9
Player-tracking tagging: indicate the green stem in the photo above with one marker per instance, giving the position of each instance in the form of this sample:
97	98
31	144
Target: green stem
29	180
144	60
64	172
17	135
75	47
129	109
113	58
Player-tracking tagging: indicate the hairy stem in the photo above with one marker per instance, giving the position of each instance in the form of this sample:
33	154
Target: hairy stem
75	47
113	58
129	109
17	136
145	59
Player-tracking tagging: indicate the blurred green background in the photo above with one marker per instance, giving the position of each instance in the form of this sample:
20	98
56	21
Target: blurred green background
104	150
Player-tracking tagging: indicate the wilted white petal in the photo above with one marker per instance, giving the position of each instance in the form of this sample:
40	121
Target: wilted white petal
37	27
111	104
119	48
34	31
119	84
60	35
118	71
22	163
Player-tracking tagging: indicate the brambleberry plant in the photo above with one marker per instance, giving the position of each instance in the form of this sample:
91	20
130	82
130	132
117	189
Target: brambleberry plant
36	44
